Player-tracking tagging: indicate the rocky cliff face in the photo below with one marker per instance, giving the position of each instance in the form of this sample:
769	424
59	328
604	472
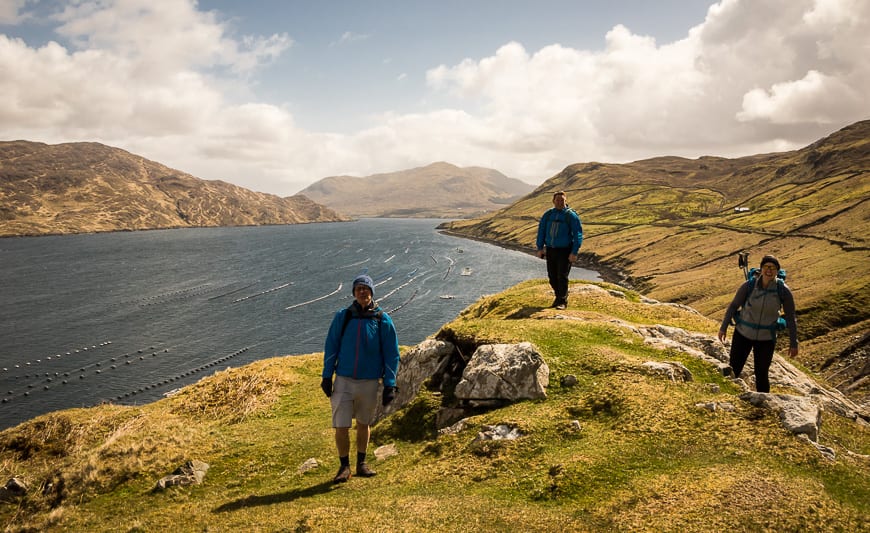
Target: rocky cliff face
90	187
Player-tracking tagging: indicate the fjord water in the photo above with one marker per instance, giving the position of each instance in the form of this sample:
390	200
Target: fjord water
126	317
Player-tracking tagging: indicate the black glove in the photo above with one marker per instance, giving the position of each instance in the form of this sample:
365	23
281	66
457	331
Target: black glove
389	395
326	385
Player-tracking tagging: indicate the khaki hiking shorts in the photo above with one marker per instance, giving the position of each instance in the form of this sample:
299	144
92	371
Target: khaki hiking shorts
354	398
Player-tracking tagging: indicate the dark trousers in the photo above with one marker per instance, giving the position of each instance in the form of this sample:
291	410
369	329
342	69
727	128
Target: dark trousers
558	268
762	357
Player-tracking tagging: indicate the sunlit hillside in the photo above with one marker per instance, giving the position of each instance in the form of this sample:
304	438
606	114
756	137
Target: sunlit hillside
673	227
90	187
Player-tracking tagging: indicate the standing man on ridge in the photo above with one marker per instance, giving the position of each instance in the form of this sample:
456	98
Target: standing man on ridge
361	350
560	235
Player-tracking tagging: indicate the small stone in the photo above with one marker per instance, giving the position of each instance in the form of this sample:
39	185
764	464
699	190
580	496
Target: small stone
309	464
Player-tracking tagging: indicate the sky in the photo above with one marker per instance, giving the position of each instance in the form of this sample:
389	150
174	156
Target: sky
276	95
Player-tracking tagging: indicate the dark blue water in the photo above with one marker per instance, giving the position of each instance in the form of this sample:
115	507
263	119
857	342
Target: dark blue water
126	317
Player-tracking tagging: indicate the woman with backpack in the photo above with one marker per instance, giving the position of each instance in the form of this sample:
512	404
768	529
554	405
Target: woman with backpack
755	311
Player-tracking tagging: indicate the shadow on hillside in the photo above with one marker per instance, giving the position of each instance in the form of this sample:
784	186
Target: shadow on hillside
269	499
525	312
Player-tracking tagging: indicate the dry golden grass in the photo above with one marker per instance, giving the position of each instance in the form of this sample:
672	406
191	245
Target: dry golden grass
231	396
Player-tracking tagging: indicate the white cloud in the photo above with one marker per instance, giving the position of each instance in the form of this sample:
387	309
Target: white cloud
11	11
350	37
728	87
168	35
815	98
175	85
97	93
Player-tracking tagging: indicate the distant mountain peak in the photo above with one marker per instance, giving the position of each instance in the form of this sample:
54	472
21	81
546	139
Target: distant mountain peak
437	190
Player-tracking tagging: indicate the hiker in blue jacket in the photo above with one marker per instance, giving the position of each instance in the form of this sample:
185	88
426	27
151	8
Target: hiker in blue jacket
759	301
560	235
361	350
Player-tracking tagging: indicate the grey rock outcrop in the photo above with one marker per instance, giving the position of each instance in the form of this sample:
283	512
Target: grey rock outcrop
498	432
420	363
798	414
190	473
716	406
782	373
699	345
827	451
493	375
674	371
569	380
13	489
453	429
505	372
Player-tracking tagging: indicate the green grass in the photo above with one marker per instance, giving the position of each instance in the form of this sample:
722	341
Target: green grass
667	226
644	459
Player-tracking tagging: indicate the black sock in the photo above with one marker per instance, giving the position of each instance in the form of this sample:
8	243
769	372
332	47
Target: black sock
345	461
360	457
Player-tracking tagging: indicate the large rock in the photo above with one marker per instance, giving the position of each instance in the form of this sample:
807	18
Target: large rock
419	364
190	473
504	372
673	370
798	414
698	345
15	488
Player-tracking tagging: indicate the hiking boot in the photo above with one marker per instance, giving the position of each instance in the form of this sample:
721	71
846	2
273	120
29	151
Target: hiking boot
343	474
363	470
561	306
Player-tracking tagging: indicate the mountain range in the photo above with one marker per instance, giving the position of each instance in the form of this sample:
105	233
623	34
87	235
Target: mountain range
439	190
90	187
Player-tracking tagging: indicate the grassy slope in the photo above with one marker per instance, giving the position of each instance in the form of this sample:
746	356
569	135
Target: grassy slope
645	459
669	224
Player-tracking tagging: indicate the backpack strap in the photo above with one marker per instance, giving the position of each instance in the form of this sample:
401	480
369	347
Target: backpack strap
348	314
546	223
772	328
345	322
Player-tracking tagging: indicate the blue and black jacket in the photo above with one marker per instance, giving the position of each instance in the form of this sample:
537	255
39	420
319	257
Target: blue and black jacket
362	345
560	228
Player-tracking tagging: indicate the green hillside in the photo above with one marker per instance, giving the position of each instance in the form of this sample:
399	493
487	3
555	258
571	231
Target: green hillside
623	449
671	227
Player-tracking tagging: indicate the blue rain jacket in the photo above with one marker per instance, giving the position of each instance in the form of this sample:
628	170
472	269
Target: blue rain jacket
560	228
368	349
